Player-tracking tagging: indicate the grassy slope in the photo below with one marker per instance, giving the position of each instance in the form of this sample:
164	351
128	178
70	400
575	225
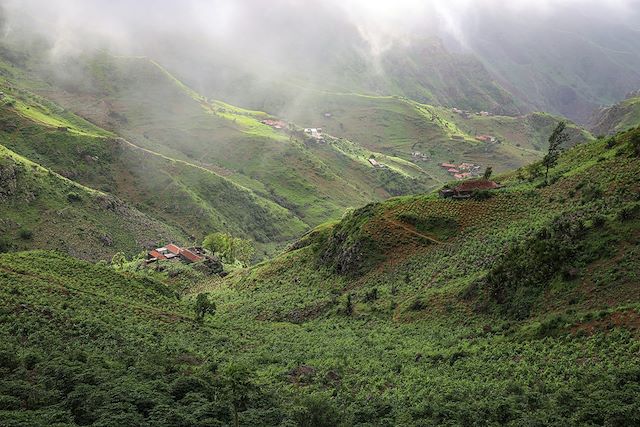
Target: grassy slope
140	100
383	243
617	118
41	209
431	346
192	199
398	126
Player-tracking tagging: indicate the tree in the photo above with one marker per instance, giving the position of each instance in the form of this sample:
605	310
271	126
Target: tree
487	172
230	249
557	138
237	381
217	243
243	250
204	306
118	260
348	306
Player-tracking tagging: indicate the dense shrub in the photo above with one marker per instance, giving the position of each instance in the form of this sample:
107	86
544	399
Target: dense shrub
516	281
73	197
26	234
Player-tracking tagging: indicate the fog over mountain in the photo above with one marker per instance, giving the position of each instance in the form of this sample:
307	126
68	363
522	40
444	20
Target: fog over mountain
567	57
319	213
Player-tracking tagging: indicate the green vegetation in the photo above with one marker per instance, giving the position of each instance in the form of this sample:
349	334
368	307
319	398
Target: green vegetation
190	199
557	139
617	118
40	209
229	249
520	309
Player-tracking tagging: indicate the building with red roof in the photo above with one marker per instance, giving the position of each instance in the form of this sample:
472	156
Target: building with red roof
173	251
467	188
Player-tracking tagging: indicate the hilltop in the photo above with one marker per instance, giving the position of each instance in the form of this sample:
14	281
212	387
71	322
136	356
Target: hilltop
517	306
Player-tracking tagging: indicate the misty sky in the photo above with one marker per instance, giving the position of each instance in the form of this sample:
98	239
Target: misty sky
128	25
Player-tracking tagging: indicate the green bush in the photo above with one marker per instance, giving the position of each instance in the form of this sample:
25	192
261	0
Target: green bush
74	197
26	234
5	245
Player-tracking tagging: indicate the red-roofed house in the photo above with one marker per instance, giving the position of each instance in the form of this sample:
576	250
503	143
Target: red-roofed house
172	251
466	189
189	256
155	255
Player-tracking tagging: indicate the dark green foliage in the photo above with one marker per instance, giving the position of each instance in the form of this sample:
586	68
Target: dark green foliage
635	142
348	305
517	280
204	306
487	172
5	244
74	197
482	195
26	234
349	249
556	140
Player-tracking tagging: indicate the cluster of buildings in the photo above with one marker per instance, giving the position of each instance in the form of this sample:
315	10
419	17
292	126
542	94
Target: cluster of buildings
466	114
462	171
175	252
276	124
418	156
315	133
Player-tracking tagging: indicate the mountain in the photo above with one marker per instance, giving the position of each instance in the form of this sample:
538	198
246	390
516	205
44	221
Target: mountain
567	59
417	310
198	162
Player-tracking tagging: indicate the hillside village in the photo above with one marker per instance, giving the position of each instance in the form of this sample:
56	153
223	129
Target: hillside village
462	171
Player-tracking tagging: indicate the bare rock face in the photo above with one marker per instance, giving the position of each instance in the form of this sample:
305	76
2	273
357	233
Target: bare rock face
8	180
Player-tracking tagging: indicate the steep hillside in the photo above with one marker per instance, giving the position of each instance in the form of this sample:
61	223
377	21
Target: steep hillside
85	345
138	99
513	307
433	250
566	62
618	117
423	70
41	209
189	198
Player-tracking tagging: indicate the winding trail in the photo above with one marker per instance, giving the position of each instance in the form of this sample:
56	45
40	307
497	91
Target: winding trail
413	231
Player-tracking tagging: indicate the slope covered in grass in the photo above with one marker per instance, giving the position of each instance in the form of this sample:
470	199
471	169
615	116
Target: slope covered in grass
141	101
190	198
519	308
617	118
398	126
41	209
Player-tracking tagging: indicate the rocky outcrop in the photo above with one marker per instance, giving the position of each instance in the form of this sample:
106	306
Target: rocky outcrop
8	179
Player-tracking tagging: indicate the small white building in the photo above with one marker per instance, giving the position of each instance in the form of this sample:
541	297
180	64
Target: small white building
315	133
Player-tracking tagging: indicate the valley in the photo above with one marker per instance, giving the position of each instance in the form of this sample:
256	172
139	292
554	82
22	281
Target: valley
305	213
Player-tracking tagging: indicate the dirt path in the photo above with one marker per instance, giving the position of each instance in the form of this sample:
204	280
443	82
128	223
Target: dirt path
413	231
